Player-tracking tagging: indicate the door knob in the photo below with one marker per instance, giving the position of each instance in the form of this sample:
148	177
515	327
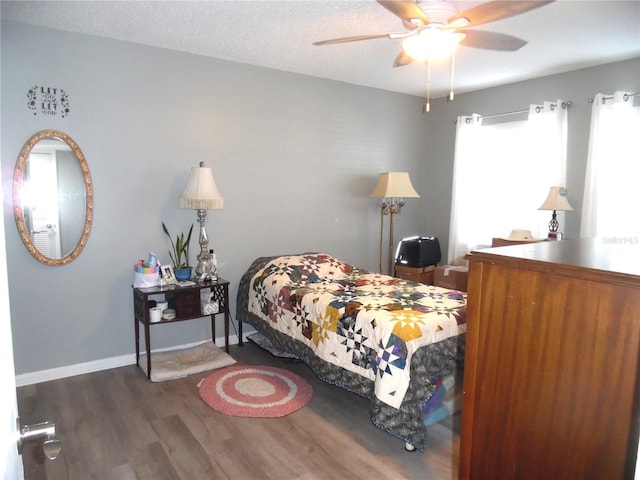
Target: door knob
52	448
40	431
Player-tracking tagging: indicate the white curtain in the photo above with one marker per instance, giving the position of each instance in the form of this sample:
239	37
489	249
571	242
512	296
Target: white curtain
612	188
502	174
468	130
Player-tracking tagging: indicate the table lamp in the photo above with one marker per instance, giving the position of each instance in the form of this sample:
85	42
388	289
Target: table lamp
201	194
557	202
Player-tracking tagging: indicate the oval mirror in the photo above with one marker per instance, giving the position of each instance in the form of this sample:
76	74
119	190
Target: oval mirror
52	197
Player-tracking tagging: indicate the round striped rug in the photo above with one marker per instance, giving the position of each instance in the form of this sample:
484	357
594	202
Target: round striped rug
255	391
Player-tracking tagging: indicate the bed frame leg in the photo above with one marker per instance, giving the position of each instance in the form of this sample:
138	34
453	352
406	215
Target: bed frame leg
408	447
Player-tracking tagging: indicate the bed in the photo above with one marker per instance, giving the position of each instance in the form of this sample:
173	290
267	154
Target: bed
396	342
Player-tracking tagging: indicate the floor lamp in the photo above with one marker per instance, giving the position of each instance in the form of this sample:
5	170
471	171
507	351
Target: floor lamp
392	187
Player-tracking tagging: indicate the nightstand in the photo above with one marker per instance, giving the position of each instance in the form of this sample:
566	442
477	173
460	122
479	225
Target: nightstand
186	301
416	274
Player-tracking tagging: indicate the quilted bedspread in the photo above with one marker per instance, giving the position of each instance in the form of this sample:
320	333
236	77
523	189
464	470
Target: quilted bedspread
364	322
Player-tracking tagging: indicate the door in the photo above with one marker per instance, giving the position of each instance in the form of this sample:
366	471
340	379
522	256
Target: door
43	213
10	462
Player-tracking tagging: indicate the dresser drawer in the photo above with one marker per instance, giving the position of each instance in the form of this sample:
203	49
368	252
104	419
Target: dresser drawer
188	304
416	274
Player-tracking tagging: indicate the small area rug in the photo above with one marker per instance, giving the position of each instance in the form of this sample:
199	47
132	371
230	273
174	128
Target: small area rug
255	391
184	362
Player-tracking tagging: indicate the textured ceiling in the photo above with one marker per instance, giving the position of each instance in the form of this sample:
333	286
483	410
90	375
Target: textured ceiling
563	36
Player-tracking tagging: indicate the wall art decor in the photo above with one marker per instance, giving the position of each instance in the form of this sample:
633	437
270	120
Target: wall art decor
48	101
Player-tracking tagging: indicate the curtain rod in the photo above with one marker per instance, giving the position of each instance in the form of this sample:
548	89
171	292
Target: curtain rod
515	112
625	97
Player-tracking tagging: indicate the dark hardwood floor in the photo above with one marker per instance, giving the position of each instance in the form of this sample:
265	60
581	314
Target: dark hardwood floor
115	424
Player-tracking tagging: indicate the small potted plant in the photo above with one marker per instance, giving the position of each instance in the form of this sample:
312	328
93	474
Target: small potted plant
179	253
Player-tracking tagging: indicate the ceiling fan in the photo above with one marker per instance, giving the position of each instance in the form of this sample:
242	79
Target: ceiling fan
436	28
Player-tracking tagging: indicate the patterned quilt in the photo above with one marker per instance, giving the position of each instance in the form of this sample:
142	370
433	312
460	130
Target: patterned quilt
367	323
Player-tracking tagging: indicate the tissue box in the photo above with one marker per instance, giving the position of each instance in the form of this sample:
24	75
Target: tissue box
208	304
210	308
451	277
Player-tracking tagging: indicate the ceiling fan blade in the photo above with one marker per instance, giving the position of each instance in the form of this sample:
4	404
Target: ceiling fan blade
402	59
407	10
491	41
353	39
497	10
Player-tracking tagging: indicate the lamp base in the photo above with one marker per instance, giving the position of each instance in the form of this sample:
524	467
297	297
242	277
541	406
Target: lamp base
555	236
205	270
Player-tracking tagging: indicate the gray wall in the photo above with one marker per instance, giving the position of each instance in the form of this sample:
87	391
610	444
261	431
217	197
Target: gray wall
294	157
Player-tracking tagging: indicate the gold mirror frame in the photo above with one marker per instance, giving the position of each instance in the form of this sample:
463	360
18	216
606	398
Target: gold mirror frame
18	210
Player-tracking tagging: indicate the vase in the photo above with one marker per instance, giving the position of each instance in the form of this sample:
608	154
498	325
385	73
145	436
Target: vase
183	274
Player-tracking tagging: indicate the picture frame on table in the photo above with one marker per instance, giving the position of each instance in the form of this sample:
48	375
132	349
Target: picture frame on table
167	274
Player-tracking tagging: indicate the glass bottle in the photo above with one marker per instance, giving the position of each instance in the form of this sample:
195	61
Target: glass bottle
213	264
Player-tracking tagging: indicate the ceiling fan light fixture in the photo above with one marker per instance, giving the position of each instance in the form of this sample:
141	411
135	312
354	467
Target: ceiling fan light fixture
432	44
461	22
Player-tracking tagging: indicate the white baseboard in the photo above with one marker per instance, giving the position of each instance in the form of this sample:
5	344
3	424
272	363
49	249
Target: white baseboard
98	365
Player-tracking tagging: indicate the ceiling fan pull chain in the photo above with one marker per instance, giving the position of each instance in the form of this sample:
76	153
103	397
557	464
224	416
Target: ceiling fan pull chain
427	105
453	60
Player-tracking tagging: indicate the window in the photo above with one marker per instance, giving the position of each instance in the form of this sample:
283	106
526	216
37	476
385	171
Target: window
502	174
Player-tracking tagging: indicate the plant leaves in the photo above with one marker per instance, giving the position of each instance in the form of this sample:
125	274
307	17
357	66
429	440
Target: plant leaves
179	248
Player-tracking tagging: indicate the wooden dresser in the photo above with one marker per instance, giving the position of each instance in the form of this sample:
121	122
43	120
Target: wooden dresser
551	367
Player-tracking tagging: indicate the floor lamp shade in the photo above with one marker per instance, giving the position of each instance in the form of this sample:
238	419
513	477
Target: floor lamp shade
394	185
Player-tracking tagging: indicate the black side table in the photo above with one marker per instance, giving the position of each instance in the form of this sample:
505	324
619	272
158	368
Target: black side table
186	302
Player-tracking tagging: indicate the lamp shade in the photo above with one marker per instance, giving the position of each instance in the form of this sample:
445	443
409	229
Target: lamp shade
394	185
557	200
201	192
